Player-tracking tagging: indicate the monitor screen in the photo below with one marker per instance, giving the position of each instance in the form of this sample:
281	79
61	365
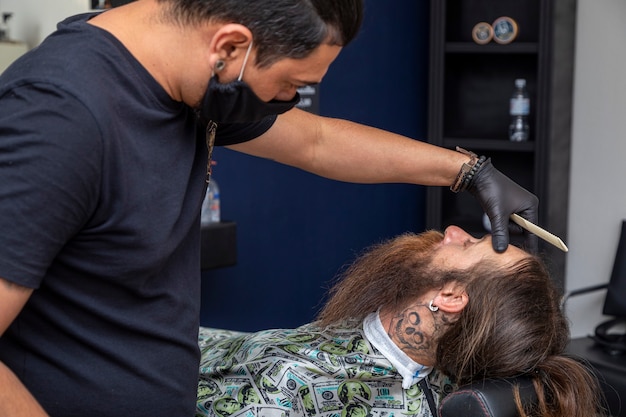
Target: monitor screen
615	302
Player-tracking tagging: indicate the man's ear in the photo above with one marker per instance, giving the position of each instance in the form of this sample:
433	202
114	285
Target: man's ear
230	41
451	299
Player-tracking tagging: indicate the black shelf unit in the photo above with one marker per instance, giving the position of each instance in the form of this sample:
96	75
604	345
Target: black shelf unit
470	87
218	245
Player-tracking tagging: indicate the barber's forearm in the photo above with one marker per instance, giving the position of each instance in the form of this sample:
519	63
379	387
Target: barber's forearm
15	400
358	153
352	152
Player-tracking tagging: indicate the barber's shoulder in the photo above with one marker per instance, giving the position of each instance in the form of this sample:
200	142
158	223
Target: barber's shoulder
12	286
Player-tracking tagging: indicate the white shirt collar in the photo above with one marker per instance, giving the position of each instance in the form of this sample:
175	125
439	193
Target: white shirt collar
410	370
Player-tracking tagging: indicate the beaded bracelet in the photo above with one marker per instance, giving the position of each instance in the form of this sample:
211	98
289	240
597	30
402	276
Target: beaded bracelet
470	175
467	171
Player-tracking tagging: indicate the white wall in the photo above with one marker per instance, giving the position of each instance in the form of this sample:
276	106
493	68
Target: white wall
33	20
598	180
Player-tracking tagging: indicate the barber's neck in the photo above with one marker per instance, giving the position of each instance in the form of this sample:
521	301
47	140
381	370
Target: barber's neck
168	51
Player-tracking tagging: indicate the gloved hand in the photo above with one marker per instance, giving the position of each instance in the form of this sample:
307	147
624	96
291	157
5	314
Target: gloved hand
500	197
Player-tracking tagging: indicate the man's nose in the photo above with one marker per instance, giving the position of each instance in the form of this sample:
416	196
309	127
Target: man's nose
454	234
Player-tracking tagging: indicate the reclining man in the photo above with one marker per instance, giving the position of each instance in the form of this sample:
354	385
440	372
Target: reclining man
410	317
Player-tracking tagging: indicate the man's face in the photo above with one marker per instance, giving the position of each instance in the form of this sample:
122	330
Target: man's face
460	250
280	80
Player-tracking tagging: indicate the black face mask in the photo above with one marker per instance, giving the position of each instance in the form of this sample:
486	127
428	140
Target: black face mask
235	102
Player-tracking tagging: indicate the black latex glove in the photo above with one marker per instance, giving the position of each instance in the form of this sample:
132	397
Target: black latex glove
500	197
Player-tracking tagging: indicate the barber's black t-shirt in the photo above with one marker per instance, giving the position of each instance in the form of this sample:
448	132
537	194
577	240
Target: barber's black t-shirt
102	177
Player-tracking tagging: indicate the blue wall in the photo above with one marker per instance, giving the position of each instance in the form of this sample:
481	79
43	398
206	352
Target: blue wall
295	230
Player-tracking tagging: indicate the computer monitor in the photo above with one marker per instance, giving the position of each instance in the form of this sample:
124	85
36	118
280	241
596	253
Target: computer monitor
615	301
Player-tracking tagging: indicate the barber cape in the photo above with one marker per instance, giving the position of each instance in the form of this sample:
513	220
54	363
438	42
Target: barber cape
310	371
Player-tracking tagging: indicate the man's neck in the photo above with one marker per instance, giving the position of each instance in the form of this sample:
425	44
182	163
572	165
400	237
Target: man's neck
411	331
410	370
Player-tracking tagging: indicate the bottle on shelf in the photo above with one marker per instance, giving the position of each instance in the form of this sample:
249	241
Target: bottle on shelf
519	108
211	205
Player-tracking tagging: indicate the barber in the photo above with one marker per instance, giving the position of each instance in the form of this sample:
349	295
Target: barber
106	132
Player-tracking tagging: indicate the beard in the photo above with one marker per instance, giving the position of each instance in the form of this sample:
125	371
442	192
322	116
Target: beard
391	273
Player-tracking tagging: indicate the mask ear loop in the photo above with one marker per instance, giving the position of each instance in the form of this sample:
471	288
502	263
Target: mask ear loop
245	60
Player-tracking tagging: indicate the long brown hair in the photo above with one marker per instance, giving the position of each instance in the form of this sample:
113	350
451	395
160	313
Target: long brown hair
512	325
391	273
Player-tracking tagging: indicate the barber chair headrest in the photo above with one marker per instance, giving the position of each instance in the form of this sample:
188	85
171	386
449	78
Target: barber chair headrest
488	398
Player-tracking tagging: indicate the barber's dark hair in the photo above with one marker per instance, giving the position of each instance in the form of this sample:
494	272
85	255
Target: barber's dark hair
281	28
513	325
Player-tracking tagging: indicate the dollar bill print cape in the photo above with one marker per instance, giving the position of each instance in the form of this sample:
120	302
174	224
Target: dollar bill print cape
305	372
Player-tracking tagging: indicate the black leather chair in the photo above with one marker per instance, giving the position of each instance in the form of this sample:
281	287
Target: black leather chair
488	398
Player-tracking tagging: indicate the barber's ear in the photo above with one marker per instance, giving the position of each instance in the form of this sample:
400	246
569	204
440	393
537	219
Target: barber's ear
451	299
230	40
